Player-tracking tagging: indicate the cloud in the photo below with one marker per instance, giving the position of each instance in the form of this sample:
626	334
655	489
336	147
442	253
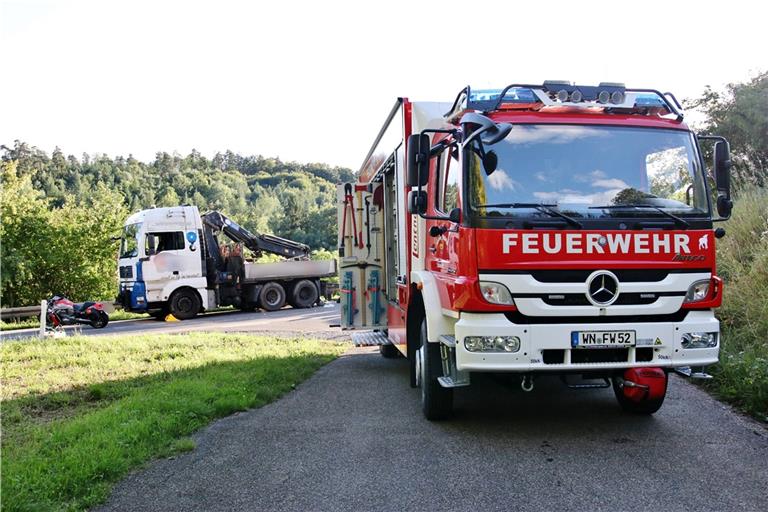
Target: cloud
500	180
552	134
568	196
610	183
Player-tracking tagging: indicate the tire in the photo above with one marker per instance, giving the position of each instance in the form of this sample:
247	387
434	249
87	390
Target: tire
304	294
643	407
389	352
184	304
272	296
99	320
436	401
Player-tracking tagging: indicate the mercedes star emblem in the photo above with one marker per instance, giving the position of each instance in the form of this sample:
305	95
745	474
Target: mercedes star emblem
602	288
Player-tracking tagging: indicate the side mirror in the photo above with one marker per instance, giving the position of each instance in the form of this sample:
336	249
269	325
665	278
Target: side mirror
722	169
417	202
151	245
418	160
455	215
490	162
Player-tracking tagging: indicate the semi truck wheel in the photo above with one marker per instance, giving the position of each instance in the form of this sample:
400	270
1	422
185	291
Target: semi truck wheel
436	401
272	296
304	294
184	304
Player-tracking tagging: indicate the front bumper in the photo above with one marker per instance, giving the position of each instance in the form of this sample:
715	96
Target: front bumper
538	342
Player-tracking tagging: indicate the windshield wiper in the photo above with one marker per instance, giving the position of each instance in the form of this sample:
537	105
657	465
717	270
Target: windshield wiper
678	220
543	208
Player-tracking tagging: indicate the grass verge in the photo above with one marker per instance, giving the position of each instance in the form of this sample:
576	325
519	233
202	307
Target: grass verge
741	376
79	413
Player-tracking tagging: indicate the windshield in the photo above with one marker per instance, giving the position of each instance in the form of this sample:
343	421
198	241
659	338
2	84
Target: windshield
129	246
588	172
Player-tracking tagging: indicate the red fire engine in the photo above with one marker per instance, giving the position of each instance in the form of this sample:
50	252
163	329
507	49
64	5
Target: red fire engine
551	229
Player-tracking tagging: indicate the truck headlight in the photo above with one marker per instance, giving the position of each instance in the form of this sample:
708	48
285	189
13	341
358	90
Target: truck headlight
492	343
699	340
496	293
698	291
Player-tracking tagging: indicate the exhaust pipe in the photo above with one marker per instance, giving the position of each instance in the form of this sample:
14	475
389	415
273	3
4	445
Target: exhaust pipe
527	383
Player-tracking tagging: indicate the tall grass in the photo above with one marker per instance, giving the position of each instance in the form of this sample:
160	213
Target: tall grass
741	377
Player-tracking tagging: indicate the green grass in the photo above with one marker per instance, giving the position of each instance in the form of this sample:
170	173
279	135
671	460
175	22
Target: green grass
741	377
30	323
79	413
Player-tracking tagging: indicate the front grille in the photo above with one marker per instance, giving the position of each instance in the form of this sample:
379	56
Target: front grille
518	318
625	299
626	275
126	272
599	355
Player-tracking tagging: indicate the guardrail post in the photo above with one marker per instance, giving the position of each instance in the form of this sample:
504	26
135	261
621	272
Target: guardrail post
43	314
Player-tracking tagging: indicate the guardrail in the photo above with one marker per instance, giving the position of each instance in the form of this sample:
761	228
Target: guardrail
10	314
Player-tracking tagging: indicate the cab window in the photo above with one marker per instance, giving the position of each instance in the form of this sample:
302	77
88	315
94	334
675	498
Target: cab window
165	241
448	176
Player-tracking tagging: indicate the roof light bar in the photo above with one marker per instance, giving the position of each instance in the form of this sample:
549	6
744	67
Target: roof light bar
610	95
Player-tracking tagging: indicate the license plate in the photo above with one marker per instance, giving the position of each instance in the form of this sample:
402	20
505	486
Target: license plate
602	339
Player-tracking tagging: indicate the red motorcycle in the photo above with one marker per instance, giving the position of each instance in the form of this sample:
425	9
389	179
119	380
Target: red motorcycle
62	311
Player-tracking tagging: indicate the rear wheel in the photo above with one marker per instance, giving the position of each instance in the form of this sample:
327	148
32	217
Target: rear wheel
184	304
436	401
272	296
304	294
99	320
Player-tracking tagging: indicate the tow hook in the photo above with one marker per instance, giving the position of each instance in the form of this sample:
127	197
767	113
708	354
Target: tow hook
527	383
630	384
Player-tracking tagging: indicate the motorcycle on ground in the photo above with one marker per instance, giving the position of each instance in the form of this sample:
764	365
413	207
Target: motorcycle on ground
62	311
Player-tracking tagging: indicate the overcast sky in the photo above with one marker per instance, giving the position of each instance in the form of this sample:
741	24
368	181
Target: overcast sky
313	81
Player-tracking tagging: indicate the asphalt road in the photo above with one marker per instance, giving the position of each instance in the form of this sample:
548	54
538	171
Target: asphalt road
311	321
353	438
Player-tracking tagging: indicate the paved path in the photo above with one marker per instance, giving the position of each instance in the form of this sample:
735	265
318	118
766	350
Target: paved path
353	438
311	321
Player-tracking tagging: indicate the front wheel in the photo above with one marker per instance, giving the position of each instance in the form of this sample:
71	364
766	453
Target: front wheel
436	401
184	304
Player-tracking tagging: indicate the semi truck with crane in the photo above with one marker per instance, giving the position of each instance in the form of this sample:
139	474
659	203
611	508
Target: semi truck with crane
170	261
538	229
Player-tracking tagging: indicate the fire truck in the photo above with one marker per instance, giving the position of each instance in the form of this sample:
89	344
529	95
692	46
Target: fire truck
552	229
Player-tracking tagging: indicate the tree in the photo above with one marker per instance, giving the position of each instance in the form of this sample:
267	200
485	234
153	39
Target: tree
740	114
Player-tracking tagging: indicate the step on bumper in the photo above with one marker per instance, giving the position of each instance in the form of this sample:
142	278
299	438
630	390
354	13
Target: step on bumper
370	339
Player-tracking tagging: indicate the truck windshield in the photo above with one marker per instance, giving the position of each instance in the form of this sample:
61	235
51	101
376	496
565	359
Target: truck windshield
589	172
129	245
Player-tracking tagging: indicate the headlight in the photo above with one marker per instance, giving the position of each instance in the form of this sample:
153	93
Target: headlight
698	291
492	343
496	293
699	340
